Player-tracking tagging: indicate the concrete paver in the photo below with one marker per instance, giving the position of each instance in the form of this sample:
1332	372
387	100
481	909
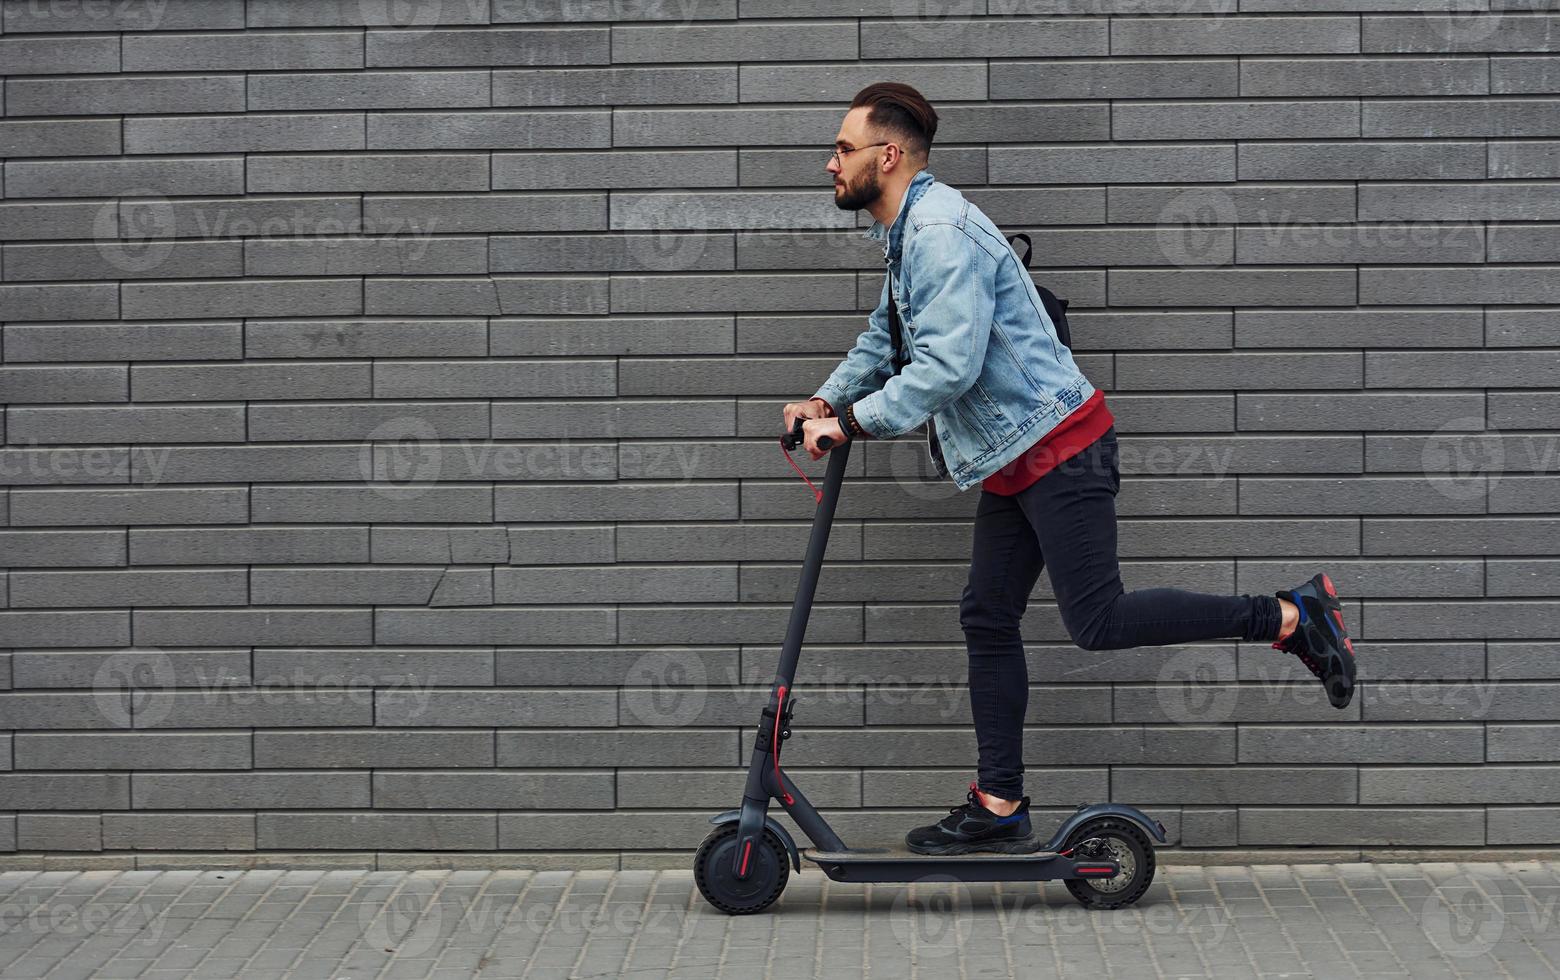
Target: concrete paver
1421	920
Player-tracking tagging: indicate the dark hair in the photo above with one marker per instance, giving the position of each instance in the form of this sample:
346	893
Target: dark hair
902	113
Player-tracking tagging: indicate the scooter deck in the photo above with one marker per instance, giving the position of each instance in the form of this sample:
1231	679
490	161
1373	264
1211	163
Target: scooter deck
861	855
884	864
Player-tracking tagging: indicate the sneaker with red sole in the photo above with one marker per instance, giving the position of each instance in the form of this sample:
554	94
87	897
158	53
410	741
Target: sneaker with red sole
1320	639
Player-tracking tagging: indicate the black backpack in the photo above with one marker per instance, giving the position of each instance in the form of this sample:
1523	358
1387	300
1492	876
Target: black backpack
1055	308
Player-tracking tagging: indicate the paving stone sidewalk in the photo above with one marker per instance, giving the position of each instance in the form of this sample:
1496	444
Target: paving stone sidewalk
1318	920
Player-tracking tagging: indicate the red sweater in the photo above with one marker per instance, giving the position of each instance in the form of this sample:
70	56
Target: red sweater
1072	436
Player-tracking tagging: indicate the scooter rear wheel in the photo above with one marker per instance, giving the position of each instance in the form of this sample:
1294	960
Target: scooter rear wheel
1126	844
766	879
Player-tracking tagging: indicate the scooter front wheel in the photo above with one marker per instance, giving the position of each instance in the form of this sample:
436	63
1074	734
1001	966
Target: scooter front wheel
1123	842
770	869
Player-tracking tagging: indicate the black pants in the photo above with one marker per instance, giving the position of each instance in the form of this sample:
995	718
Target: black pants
1067	520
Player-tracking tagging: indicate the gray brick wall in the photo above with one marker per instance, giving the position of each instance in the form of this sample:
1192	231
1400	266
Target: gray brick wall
390	401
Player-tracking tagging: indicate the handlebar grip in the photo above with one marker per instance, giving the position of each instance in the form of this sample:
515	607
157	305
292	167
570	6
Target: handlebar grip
794	438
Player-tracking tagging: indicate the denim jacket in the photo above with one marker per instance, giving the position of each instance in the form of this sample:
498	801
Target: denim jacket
985	366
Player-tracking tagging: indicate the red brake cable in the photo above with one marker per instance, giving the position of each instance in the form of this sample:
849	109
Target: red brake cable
817	494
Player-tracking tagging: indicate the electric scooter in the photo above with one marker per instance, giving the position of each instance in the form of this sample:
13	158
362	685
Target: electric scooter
1101	851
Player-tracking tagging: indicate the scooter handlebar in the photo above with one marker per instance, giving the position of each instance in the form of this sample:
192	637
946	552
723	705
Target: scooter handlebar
795	437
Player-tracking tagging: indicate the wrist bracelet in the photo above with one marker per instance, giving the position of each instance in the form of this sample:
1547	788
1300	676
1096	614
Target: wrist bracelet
852	426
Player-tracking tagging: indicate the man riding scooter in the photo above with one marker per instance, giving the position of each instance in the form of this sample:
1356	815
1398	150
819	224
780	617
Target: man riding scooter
1010	410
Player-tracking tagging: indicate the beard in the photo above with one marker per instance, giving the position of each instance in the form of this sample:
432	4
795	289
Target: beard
854	197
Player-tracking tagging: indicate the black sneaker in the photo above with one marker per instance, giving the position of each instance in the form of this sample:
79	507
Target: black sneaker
972	827
1320	639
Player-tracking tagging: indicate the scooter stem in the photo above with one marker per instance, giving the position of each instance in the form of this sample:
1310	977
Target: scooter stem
761	782
817	543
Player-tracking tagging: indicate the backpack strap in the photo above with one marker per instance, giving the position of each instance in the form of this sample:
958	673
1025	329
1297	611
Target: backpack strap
1054	308
1028	248
895	331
